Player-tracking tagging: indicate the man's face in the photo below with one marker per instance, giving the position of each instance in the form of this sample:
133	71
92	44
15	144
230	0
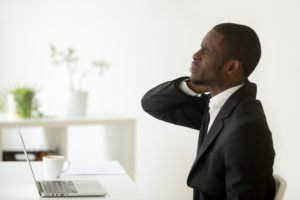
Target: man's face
208	62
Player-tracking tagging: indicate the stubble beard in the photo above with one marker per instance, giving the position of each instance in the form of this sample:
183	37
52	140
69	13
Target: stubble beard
198	82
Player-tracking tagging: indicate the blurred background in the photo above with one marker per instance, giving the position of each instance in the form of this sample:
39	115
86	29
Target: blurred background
145	43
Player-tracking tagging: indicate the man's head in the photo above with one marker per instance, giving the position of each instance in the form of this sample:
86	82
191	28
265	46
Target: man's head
242	43
229	53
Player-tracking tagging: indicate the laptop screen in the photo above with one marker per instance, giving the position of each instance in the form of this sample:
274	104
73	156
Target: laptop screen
27	159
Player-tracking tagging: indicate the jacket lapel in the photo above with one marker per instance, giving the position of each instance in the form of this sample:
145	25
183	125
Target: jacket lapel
225	112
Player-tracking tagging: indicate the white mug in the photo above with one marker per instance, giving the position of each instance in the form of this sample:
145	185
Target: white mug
55	165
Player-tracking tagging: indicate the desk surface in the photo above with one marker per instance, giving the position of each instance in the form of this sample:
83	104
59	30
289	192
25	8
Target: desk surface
16	183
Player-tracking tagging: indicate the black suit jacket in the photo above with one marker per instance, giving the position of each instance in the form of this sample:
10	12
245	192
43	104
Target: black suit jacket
235	161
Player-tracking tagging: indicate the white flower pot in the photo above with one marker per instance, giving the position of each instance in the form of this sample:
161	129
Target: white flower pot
75	103
11	106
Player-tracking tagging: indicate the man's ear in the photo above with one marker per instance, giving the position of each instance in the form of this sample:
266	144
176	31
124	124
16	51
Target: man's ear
234	67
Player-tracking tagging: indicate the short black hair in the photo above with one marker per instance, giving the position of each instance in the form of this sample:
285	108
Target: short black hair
241	43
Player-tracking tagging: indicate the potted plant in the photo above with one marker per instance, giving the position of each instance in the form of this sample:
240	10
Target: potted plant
22	103
76	97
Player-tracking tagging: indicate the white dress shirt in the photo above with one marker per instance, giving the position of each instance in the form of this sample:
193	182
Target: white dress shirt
216	102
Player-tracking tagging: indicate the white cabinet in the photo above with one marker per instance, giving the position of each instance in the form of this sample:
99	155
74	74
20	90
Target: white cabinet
120	134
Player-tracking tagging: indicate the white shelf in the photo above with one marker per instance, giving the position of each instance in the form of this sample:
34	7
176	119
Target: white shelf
120	134
6	122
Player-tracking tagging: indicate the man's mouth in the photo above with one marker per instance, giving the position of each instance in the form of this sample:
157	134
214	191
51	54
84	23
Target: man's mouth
194	67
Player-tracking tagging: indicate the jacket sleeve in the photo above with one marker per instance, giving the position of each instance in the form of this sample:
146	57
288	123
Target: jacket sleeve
168	103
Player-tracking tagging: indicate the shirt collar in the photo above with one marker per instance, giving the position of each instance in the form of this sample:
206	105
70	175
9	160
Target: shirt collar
216	102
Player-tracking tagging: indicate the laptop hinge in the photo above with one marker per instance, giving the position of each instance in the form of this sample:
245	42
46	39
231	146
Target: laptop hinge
40	187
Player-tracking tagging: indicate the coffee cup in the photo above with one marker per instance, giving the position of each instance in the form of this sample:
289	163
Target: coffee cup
55	165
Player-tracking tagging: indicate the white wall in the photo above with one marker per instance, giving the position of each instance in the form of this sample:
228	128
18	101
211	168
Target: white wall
148	42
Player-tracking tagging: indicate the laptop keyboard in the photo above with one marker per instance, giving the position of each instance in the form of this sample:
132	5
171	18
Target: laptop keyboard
59	187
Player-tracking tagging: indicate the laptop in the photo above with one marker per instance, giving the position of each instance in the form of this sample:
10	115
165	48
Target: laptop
65	188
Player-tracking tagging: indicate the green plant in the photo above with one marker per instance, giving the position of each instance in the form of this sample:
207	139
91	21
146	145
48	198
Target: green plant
26	104
69	58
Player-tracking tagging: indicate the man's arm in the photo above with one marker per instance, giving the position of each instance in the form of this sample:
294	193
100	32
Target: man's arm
168	103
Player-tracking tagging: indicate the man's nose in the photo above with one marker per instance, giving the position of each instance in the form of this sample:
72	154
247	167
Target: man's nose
197	55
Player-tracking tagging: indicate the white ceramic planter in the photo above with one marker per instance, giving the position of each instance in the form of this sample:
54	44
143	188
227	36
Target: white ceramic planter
75	103
11	106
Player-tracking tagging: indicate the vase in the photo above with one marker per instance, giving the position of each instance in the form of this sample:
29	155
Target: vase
11	106
75	103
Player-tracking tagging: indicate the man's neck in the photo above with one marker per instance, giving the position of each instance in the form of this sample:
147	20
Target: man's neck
214	90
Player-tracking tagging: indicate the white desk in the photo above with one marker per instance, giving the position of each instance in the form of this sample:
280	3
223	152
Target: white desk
120	134
16	183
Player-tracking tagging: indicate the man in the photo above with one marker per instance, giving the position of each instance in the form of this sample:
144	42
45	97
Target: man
235	152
